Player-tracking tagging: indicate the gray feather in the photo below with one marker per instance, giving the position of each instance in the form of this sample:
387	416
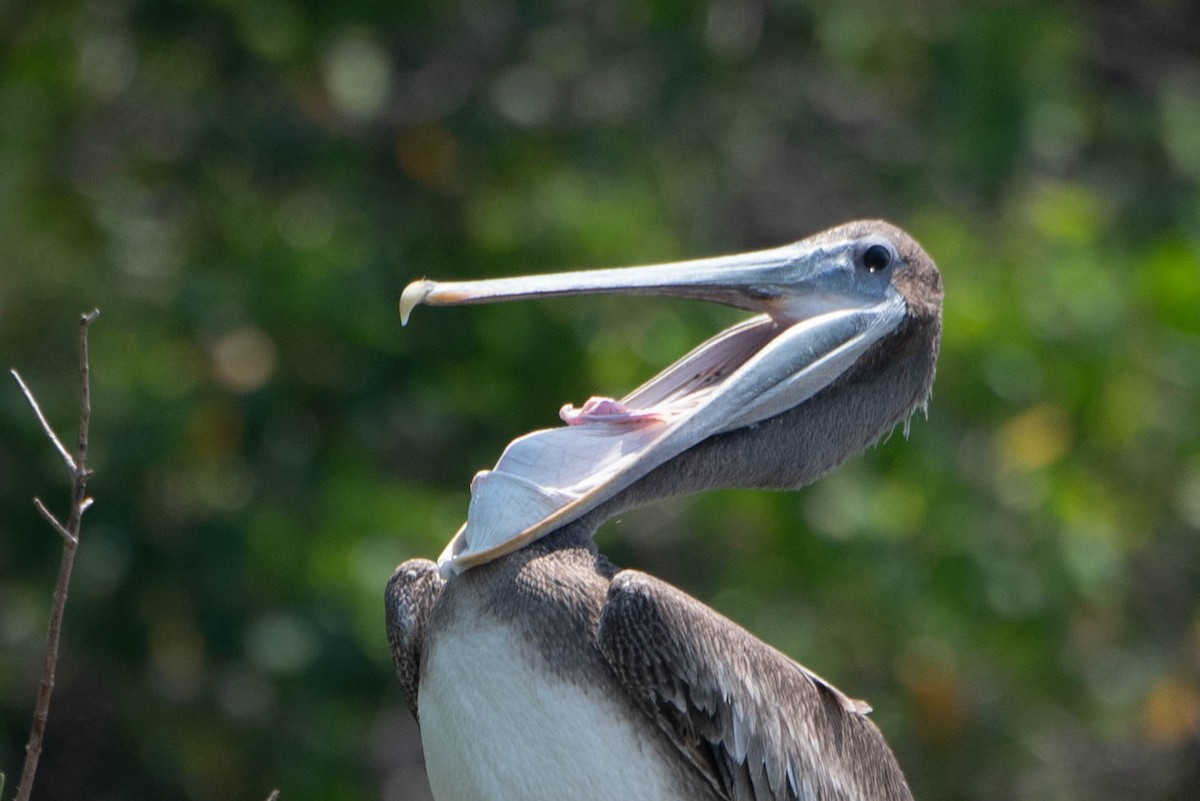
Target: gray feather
759	726
411	593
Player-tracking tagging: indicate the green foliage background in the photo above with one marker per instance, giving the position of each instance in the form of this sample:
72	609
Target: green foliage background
244	188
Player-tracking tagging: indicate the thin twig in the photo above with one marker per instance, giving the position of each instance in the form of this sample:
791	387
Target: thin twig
274	796
53	521
37	410
69	533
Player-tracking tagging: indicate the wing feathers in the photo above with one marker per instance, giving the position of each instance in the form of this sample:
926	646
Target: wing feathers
411	592
760	726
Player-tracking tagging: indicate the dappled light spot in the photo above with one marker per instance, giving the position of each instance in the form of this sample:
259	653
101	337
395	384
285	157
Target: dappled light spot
853	502
272	28
753	146
494	221
165	367
1063	212
1092	563
357	75
103	572
1131	402
1171	710
371	561
930	673
1057	130
214	431
524	95
292	436
1033	439
561	49
1081	298
1169	281
850	37
306	220
1187	498
107	61
608	94
837	507
224	486
1073	284
896	507
1013	373
975	459
178	655
281	643
22	620
1180	100
143	244
428	155
212	768
245	694
243	360
1012	586
733	27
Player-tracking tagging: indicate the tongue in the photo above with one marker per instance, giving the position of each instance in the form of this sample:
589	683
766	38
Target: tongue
606	410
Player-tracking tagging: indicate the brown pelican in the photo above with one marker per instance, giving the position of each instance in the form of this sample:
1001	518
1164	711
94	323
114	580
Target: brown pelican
537	670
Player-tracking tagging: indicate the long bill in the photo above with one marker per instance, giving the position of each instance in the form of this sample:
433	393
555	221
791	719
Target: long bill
724	279
820	315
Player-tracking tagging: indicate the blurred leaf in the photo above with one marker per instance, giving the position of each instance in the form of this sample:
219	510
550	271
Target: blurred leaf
244	189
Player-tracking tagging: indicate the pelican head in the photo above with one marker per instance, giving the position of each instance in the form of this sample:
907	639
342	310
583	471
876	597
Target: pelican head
857	302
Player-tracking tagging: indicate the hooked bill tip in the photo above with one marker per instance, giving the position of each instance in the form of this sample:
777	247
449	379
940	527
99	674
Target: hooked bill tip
412	296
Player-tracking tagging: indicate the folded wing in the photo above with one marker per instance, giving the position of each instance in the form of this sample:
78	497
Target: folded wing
758	725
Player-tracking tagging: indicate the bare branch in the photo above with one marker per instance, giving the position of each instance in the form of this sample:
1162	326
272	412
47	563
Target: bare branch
53	521
37	410
80	473
85	392
274	796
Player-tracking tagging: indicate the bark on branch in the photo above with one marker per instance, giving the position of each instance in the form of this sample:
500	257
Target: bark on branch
77	467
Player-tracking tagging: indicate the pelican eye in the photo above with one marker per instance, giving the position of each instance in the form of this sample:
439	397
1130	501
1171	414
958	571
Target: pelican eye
877	258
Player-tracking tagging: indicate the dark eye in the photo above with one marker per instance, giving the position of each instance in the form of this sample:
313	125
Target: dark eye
877	258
